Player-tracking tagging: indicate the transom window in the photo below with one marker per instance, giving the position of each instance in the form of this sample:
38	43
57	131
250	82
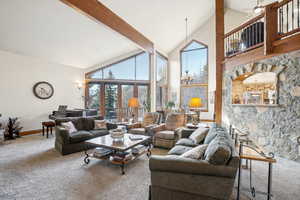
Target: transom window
194	73
133	68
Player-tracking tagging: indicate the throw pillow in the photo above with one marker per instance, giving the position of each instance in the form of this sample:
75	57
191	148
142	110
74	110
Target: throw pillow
179	150
100	124
69	126
199	135
196	153
218	151
210	136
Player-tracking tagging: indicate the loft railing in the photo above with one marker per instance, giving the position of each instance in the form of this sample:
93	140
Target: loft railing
288	17
278	21
247	36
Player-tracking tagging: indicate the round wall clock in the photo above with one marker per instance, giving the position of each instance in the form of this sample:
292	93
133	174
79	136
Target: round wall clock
43	90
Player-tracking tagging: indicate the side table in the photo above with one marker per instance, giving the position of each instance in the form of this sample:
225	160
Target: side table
48	125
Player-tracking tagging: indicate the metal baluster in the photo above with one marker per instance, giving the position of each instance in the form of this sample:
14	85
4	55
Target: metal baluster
298	19
287	17
281	20
293	15
239	41
253	26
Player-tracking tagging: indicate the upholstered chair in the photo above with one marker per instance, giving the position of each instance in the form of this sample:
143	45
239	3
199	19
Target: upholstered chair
166	135
142	128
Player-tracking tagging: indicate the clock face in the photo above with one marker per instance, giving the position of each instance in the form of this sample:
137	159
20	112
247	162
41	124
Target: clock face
43	90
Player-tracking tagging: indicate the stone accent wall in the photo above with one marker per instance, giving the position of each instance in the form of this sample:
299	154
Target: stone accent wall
277	129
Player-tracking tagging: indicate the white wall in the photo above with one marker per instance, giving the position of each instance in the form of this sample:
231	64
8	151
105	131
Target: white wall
205	34
19	73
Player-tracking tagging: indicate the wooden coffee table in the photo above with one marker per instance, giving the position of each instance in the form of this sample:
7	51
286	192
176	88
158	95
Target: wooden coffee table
116	147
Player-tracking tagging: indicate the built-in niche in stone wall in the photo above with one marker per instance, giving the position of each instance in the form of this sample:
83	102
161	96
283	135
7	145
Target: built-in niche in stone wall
276	128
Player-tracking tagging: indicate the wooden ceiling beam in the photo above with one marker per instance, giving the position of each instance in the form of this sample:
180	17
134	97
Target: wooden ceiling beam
101	14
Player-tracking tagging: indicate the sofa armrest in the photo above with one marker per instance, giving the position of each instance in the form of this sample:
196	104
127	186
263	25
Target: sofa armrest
62	135
158	128
178	164
135	125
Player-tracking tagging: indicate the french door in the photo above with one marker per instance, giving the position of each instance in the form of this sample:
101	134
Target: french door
111	99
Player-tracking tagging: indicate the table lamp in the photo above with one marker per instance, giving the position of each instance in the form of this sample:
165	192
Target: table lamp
195	104
133	103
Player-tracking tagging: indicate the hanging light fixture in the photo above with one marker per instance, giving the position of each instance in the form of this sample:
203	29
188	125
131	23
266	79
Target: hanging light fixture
258	8
186	79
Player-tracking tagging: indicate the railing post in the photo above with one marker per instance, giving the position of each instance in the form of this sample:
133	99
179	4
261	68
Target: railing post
271	27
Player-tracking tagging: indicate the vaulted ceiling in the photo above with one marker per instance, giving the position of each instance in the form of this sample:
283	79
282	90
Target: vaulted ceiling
50	30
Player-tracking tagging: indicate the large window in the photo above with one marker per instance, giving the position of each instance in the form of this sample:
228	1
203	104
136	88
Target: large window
194	73
161	81
93	100
110	88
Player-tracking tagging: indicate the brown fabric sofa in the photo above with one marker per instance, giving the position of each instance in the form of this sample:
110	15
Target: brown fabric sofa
165	135
66	143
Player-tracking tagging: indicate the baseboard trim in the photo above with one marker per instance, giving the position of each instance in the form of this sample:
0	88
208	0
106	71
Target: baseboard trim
207	120
31	132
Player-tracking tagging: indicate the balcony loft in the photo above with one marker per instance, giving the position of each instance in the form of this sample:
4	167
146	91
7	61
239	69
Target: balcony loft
273	32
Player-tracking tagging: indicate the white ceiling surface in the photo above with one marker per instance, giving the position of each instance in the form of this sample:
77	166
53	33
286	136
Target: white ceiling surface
246	5
50	30
163	21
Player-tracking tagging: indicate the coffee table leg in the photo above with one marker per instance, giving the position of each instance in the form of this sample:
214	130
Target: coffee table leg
86	158
122	168
149	151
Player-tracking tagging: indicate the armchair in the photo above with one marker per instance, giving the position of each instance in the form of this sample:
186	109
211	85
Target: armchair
143	128
166	135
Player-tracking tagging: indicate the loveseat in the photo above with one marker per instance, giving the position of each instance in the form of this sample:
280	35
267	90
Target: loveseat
174	177
67	143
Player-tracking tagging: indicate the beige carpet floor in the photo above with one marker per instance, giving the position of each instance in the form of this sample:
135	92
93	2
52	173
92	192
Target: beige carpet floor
31	169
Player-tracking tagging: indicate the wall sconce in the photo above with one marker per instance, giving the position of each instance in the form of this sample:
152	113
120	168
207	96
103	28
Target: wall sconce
79	85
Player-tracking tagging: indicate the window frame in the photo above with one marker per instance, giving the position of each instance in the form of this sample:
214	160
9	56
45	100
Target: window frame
194	84
166	85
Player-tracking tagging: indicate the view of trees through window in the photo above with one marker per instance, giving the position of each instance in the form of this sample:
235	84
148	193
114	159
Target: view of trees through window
194	71
119	81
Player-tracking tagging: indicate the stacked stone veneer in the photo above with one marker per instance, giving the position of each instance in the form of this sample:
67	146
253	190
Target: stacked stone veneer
277	129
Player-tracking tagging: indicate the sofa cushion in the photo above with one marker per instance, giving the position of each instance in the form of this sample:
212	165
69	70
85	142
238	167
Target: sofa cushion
149	118
196	152
179	149
88	123
138	131
98	133
199	135
80	136
186	142
168	135
69	126
212	133
77	121
100	124
174	121
218	151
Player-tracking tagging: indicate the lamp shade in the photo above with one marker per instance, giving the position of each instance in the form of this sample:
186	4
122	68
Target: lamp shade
195	102
133	102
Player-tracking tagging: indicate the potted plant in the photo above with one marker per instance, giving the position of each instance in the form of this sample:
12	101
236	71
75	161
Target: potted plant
170	105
